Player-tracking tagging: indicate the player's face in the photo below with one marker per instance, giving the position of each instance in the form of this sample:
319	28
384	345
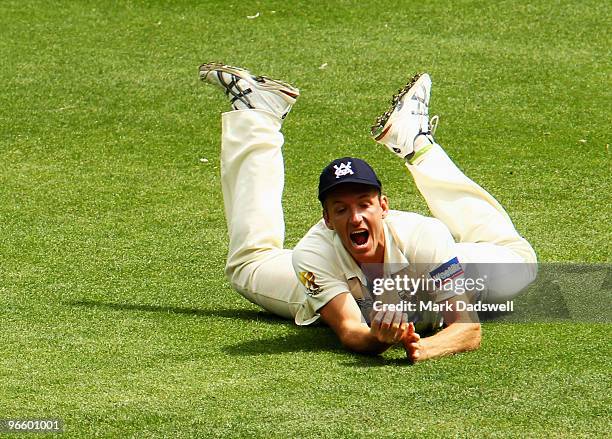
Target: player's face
356	212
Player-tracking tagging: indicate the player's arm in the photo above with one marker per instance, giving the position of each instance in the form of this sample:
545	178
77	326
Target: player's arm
461	335
344	317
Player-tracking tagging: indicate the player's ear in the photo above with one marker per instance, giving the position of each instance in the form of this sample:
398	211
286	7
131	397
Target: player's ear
384	204
326	219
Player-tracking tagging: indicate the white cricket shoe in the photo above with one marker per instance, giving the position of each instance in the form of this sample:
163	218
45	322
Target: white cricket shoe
249	91
407	119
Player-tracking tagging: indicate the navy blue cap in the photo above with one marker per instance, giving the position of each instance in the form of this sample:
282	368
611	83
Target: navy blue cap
346	170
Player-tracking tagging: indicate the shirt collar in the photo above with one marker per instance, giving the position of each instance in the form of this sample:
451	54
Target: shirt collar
395	260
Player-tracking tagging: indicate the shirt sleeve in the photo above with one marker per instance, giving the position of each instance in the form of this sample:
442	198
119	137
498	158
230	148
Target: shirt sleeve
319	274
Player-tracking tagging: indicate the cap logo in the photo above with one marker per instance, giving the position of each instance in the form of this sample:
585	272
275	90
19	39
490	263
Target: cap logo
343	169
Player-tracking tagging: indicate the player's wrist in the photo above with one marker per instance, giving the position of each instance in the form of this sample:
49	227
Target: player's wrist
379	341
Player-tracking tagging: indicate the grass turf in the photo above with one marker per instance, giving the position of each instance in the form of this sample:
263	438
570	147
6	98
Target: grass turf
115	315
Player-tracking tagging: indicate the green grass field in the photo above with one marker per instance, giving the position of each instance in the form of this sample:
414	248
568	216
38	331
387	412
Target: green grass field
114	312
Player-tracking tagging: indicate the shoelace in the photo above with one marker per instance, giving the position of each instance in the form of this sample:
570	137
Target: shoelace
239	94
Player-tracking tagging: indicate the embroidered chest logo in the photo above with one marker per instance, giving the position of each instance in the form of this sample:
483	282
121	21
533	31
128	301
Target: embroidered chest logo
343	169
308	280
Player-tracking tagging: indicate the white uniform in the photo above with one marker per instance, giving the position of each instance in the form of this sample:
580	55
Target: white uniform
469	224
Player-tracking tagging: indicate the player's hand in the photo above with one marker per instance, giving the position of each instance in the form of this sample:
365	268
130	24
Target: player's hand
389	326
412	343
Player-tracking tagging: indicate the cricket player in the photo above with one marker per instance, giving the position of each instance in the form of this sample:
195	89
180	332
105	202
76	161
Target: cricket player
331	273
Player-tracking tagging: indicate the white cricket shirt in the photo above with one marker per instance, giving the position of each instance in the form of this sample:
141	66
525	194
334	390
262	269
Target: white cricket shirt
415	244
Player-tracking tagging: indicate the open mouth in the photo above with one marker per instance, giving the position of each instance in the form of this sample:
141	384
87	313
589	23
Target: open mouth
360	237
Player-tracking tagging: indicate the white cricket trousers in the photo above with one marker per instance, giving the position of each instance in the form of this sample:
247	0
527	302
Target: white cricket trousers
252	179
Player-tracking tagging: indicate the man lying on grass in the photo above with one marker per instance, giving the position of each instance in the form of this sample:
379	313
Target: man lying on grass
376	276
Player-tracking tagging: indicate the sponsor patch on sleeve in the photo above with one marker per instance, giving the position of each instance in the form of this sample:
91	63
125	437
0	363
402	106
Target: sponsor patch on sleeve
308	280
447	271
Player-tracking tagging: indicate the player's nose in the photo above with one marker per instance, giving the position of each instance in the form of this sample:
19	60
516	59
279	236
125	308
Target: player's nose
355	218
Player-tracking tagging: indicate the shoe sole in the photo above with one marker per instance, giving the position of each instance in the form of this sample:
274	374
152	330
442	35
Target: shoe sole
288	92
379	129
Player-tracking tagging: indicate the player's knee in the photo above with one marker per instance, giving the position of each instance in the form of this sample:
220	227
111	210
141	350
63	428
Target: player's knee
235	276
524	250
514	279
